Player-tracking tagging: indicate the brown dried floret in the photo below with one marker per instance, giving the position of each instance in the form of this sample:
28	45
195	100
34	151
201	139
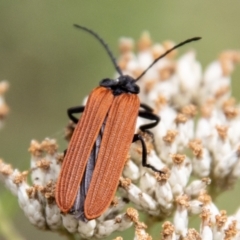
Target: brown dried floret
204	198
139	226
132	214
160	102
60	158
142	235
230	102
49	145
139	150
49	191
205	216
157	50
114	202
178	158
168	45
168	230
125	182
196	140
20	177
207	109
126	45
181	118
227	60
124	60
206	180
118	219
231	231
43	164
4	110
182	201
167	71
222	131
221	219
230	112
5	169
32	191
221	91
196	146
149	85
193	234
35	148
163	176
170	136
189	110
147	136
127	159
4	85
145	42
122	63
148	139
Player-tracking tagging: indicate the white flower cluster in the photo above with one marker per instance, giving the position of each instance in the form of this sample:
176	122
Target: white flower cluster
38	200
198	136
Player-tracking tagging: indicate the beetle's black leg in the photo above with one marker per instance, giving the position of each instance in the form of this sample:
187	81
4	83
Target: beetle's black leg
73	110
64	152
70	113
137	137
148	114
146	107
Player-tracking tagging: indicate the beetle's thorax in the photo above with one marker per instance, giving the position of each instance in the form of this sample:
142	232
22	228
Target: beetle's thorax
123	84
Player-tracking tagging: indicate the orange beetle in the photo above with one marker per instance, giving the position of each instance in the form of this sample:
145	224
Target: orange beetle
100	143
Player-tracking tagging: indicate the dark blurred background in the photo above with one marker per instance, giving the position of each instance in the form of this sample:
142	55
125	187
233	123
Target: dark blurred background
51	66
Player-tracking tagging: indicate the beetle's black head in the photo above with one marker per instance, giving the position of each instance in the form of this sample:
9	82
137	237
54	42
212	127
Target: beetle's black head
123	84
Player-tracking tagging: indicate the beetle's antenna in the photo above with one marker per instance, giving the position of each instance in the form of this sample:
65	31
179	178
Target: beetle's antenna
166	53
104	45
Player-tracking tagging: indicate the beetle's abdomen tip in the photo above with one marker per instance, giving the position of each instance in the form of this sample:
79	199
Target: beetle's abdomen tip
64	209
64	206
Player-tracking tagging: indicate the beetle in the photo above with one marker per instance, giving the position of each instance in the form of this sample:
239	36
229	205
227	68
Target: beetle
98	148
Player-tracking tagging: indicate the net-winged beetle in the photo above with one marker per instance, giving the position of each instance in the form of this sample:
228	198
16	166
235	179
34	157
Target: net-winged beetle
101	140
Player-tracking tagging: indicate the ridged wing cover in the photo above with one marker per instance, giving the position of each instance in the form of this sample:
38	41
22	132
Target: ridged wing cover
116	141
81	145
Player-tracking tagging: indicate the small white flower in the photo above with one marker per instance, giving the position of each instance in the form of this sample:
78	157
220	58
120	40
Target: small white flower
181	216
87	229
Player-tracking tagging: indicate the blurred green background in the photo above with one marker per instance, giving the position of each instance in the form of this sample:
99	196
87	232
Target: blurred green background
51	66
